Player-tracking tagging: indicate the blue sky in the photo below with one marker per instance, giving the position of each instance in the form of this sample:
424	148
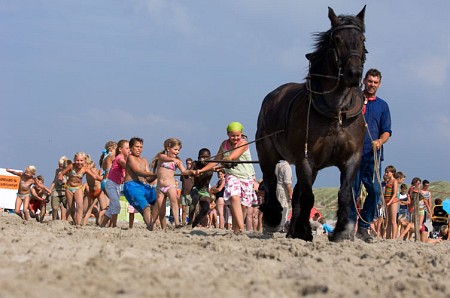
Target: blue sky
76	74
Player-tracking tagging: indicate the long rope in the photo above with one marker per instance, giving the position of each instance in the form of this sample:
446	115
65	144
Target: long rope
308	84
376	175
230	161
248	143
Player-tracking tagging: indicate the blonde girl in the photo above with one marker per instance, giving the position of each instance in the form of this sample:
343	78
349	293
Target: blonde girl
238	179
167	163
23	193
74	190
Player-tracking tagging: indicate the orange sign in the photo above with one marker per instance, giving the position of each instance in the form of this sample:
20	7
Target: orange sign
9	182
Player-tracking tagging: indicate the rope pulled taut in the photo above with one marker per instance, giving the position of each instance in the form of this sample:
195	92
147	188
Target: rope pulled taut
248	143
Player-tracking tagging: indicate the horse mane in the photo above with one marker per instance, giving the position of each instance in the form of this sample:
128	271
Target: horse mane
323	39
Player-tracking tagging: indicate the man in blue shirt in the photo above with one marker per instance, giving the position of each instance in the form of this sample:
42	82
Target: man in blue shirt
378	119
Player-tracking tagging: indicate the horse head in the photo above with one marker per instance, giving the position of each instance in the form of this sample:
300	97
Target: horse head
340	52
347	46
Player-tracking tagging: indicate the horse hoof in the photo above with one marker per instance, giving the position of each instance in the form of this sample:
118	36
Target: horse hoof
271	216
341	236
268	229
306	237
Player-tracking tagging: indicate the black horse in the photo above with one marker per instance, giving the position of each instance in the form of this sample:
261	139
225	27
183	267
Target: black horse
319	124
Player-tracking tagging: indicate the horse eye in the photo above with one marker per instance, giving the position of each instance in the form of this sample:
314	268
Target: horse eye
338	39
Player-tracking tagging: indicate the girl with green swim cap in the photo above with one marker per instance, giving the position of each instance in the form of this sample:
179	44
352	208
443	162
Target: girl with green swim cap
235	126
238	179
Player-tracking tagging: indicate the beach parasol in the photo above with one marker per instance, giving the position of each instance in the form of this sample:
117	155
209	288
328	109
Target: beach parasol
446	205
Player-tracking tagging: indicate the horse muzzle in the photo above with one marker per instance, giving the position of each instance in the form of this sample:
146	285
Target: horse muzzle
352	76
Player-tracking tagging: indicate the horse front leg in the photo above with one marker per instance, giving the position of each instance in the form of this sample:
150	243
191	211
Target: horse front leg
343	229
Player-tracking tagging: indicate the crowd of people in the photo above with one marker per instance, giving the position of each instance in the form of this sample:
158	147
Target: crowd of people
80	190
395	213
232	203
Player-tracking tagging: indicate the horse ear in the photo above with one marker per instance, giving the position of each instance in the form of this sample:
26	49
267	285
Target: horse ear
309	56
362	13
332	16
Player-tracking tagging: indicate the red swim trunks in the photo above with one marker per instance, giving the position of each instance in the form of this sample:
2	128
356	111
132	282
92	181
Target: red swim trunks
35	205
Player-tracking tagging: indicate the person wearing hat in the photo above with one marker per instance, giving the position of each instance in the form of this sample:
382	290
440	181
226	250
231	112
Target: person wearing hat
238	178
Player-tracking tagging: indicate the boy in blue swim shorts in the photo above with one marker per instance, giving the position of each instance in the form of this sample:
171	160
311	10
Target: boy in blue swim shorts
139	194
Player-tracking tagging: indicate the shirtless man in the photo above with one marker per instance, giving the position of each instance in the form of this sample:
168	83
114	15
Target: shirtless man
137	176
23	193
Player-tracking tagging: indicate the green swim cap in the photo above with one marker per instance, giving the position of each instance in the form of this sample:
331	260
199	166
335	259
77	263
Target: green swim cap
235	126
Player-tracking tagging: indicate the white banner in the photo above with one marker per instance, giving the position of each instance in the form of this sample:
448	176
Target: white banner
9	184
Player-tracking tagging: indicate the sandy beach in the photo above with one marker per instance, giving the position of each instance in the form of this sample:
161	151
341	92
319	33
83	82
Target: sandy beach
57	259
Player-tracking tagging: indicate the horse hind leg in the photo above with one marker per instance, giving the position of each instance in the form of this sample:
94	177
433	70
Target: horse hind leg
302	202
271	209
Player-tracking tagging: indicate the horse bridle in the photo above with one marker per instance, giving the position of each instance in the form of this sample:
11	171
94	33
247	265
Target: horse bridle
338	61
341	61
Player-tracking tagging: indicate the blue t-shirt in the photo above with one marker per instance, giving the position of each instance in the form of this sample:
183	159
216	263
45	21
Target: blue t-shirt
378	118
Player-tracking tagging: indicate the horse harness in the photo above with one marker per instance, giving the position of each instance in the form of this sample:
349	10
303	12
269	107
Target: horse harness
351	109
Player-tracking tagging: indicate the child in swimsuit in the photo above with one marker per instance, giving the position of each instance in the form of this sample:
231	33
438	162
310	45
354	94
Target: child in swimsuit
415	193
167	163
212	214
218	191
200	191
391	200
58	191
74	190
23	193
39	199
425	192
136	186
94	192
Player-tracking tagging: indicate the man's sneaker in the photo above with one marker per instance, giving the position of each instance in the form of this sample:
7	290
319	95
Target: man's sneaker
363	234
